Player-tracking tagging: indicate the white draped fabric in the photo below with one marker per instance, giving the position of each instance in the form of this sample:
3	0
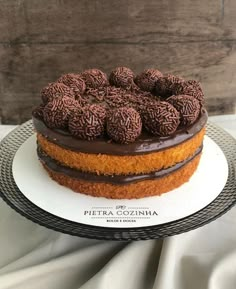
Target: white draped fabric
33	257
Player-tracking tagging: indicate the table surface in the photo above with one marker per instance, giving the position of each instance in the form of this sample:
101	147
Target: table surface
33	257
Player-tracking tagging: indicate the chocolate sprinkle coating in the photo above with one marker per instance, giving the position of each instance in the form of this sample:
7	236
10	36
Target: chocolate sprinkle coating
190	87
161	119
166	85
147	79
57	112
192	82
88	123
94	78
124	125
115	97
74	81
38	111
102	93
122	77
54	90
86	103
187	106
174	78
116	101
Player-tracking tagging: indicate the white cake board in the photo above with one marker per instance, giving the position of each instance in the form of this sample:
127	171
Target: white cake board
204	186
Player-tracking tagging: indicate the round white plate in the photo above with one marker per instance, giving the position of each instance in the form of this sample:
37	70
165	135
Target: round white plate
204	186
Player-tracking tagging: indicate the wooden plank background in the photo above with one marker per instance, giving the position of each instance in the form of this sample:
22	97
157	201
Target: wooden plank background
40	40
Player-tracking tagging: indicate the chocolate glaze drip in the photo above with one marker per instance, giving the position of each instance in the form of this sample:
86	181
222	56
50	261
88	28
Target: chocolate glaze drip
114	179
145	144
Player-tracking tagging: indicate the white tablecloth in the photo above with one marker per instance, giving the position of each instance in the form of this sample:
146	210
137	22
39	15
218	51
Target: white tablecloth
33	257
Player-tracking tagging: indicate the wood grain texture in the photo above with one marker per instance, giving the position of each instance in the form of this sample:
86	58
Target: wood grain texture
132	21
40	40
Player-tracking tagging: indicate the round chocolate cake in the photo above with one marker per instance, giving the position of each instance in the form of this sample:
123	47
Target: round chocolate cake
122	136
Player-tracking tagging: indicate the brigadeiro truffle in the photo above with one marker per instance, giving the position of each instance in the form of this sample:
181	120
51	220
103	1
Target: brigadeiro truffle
124	125
38	111
161	119
56	113
190	87
74	81
88	123
187	106
165	86
94	78
54	90
122	77
147	79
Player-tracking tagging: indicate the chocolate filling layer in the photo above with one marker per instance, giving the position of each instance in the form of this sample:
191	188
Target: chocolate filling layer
146	143
114	179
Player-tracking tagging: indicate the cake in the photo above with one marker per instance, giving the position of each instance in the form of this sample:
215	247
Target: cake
122	136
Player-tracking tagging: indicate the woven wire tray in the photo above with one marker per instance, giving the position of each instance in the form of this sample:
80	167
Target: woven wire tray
16	200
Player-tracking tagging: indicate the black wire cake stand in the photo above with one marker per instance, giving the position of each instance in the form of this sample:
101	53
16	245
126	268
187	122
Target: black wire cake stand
16	199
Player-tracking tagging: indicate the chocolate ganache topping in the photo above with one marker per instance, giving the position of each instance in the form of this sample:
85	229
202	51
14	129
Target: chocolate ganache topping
85	107
114	179
144	144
